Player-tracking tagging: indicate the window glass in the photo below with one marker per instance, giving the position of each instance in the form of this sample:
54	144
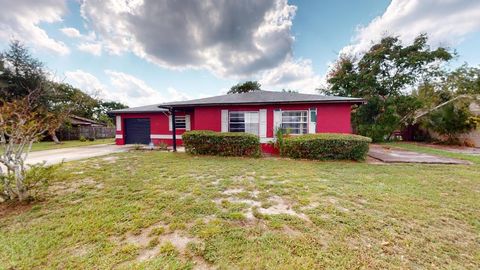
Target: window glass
295	122
243	122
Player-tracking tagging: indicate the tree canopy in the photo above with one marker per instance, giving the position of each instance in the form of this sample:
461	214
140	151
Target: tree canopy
245	87
383	76
22	76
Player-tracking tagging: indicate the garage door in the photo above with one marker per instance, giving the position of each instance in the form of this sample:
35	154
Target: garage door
137	130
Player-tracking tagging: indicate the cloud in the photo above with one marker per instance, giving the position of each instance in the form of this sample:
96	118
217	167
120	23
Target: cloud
123	87
293	75
229	38
21	19
71	32
88	83
445	21
93	48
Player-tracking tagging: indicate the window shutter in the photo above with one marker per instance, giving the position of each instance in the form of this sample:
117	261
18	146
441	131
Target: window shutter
312	124
277	119
170	128
224	120
118	119
263	123
187	122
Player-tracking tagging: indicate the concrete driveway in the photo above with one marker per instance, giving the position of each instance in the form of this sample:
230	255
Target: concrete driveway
394	155
74	153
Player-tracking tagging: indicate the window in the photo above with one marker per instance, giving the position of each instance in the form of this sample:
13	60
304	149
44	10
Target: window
243	122
295	122
180	122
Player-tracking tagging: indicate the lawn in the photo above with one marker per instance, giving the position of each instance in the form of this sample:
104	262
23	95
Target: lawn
151	210
65	144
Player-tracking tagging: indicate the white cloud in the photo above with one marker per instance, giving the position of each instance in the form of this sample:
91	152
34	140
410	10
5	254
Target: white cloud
445	21
293	75
88	82
71	32
20	20
93	48
123	87
229	38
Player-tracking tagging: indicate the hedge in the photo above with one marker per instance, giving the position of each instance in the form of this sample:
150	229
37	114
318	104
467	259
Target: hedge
326	146
205	142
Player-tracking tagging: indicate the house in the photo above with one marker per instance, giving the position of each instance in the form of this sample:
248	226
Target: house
77	127
416	132
257	112
77	121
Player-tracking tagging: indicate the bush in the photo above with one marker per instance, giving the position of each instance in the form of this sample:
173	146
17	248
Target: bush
204	142
326	146
82	139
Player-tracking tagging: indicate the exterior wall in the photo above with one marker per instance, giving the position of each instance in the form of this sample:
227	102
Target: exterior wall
159	127
331	118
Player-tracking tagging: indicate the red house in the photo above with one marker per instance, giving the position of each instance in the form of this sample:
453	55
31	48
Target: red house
258	112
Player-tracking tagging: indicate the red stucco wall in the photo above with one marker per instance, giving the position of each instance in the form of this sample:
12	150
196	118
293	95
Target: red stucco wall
158	126
331	118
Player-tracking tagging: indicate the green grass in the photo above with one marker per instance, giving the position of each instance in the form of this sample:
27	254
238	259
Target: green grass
343	215
39	146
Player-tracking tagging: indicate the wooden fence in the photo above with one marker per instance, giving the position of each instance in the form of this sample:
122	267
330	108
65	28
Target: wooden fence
74	133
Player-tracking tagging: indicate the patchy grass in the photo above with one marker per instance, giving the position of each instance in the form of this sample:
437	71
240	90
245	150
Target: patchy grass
39	146
152	210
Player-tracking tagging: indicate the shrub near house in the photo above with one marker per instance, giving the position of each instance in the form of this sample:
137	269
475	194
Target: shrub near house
326	146
206	142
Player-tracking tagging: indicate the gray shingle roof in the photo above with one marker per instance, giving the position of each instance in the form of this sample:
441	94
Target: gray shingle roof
262	97
256	97
141	109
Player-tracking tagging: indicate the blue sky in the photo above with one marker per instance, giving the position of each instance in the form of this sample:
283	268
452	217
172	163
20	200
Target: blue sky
144	51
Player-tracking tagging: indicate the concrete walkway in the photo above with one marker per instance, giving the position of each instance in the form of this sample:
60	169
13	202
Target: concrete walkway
74	153
395	155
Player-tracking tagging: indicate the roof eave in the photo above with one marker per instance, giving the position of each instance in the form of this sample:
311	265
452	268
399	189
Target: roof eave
168	106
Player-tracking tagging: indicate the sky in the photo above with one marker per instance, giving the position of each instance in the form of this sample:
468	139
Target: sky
141	52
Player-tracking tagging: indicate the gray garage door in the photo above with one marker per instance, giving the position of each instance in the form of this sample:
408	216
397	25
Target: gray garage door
137	131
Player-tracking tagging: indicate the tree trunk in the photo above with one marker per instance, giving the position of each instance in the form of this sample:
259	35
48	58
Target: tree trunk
54	137
22	191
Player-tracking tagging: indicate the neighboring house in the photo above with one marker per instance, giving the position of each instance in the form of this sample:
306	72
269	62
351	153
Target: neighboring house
258	112
77	121
78	127
415	132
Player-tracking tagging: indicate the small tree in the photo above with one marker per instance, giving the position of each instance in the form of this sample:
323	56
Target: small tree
20	126
452	120
248	86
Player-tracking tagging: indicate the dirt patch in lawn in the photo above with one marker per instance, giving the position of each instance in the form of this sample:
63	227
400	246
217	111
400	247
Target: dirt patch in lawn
63	188
150	241
276	204
281	206
14	208
111	159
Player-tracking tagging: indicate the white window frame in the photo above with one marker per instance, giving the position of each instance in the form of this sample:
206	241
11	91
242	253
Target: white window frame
306	121
230	122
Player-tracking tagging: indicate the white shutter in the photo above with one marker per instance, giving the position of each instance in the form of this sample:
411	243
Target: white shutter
170	128
312	120
224	120
263	123
277	119
118	119
187	122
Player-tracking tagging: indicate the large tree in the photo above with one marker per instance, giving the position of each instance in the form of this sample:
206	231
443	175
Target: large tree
248	86
21	74
383	76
